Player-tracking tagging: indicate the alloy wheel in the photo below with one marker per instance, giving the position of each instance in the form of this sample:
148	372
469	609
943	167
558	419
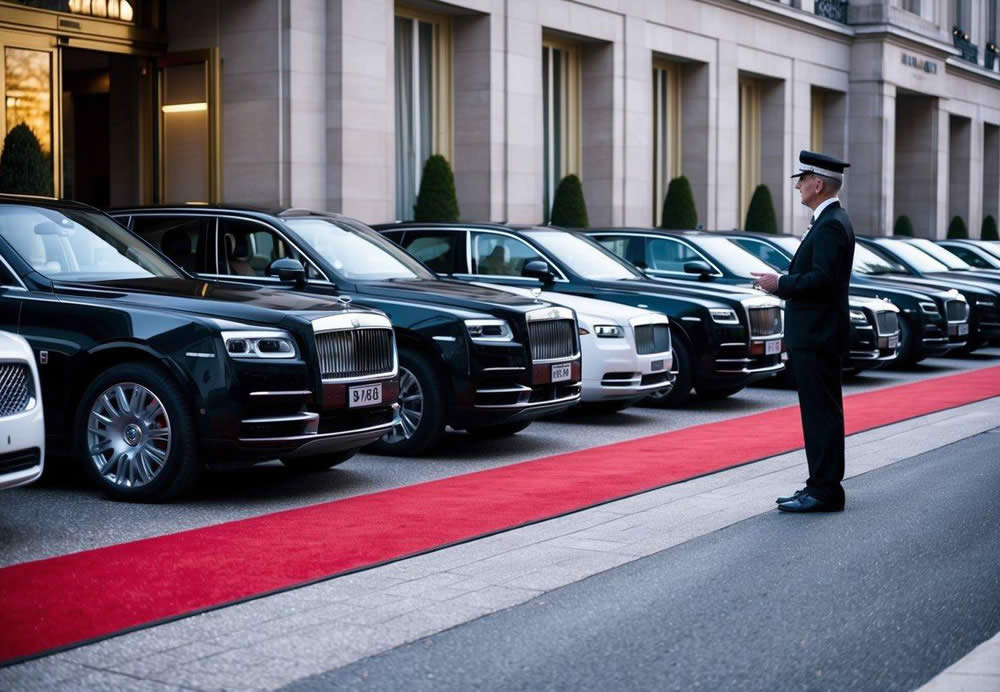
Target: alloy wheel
128	435
406	418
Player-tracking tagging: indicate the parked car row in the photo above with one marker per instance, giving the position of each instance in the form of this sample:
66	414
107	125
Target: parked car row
192	337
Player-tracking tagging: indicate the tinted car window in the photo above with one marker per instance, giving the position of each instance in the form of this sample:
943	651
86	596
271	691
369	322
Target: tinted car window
439	250
669	255
246	248
970	257
500	255
581	254
629	247
185	240
764	252
921	261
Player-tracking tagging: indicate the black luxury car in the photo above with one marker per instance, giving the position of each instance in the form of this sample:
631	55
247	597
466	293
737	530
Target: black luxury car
957	267
148	374
914	267
471	357
708	257
982	254
722	341
932	321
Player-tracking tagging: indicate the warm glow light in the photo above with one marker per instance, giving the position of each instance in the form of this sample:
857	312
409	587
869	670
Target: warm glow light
185	107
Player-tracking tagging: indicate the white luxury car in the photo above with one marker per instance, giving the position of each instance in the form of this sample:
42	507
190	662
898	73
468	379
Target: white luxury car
626	351
22	426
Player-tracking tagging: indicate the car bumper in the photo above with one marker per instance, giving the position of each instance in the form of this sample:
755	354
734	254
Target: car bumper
22	447
616	372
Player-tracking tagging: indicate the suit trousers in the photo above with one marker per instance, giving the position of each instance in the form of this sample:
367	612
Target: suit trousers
817	378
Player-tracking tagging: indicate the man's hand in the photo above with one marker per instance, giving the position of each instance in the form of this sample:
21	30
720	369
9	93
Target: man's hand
767	282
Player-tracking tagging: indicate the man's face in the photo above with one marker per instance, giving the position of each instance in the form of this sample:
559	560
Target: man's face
809	187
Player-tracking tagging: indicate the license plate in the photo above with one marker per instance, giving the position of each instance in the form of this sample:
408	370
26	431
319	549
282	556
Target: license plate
893	341
963	329
657	365
562	371
772	347
365	395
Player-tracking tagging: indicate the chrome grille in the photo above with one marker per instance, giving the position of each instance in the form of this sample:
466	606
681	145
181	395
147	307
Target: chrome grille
17	389
355	352
652	338
957	310
765	321
552	339
887	322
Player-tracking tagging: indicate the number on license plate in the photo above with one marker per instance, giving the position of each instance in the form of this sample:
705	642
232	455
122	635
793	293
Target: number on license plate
562	371
657	365
893	341
365	395
772	347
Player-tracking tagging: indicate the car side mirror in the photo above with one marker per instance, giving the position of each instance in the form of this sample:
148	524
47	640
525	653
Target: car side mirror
287	269
538	269
699	267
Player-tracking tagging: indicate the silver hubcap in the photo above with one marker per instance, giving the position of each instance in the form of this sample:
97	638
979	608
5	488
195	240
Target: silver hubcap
128	435
411	408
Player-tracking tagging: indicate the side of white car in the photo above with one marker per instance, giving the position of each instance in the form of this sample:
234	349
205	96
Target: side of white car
622	361
22	424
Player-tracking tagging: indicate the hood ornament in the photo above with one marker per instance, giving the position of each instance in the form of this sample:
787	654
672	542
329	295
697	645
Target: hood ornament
535	293
345	301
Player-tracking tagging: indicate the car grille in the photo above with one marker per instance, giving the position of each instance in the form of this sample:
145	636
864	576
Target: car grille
355	352
765	321
652	338
957	310
887	322
552	339
17	389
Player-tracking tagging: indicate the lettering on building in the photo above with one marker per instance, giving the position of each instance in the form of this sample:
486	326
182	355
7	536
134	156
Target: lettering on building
928	66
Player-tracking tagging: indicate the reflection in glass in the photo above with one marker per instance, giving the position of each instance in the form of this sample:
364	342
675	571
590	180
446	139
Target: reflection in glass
112	9
28	79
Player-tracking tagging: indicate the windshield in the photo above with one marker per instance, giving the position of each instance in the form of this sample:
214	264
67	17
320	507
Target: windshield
917	259
732	256
790	245
79	245
991	246
942	255
867	261
584	256
356	252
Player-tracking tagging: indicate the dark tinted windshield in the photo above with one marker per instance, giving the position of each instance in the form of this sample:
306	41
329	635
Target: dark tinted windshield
584	256
873	263
79	245
732	256
356	252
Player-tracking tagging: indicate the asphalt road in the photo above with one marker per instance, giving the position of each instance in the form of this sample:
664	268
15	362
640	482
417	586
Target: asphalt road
65	515
881	597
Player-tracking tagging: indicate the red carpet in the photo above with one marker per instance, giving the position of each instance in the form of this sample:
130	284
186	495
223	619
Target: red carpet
64	601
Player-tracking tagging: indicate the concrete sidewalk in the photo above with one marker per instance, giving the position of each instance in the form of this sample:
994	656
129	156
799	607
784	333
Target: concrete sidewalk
273	641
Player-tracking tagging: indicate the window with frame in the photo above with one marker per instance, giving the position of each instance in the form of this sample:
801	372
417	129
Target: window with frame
500	255
423	91
185	240
764	253
560	116
749	141
247	248
817	107
912	6
439	250
669	255
666	132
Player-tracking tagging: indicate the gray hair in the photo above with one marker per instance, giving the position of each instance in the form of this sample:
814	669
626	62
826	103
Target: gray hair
830	184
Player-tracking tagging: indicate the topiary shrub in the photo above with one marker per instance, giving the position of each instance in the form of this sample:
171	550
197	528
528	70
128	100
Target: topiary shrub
760	214
436	200
903	226
957	229
989	230
679	211
24	169
568	206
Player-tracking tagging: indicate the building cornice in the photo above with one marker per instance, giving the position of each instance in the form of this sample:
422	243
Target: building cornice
791	17
971	71
905	39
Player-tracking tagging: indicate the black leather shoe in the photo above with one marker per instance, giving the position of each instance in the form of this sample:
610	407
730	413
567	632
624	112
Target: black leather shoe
789	498
807	503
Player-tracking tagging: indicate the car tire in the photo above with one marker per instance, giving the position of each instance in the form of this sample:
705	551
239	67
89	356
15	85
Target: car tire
500	430
681	391
318	463
420	420
143	434
908	353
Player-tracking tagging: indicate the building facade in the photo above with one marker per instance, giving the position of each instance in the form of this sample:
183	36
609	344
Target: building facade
336	104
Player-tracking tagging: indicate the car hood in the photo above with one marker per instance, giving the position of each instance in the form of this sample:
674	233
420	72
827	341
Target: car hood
592	307
891	288
711	296
454	294
218	299
983	289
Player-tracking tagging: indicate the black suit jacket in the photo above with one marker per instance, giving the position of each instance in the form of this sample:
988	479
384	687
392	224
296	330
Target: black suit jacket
817	313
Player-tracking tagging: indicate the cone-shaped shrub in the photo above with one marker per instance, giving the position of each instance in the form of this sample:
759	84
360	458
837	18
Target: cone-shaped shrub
679	211
23	167
903	226
989	231
957	229
760	214
436	200
568	206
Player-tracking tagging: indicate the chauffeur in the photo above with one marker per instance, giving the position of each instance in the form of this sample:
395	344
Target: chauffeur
817	329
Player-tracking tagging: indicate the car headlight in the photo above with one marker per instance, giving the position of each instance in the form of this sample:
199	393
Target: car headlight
984	303
724	316
929	308
858	316
489	330
609	331
259	344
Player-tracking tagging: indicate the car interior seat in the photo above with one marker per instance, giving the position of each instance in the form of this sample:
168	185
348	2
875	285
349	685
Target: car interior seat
176	244
238	255
497	262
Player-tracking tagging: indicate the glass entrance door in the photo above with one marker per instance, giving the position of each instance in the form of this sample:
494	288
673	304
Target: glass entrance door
28	81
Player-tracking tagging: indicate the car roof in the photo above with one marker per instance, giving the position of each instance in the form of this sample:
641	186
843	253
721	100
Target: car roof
254	209
48	202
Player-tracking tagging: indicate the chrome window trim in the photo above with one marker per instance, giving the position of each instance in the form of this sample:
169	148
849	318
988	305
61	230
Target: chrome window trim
656	236
559	276
22	286
290	392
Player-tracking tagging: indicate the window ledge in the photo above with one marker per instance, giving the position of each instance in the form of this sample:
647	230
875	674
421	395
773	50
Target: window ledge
793	14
